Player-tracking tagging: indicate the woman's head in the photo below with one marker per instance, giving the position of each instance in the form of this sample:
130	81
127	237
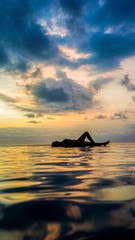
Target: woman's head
56	144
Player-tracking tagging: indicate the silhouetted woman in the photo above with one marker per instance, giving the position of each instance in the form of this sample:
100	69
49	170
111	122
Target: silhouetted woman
80	142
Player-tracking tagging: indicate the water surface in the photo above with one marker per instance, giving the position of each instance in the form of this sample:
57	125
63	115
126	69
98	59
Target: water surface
74	193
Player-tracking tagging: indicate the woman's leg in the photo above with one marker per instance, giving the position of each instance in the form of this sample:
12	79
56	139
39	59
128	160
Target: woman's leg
83	136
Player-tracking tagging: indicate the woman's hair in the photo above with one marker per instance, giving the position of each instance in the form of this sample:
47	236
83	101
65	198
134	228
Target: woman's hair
56	144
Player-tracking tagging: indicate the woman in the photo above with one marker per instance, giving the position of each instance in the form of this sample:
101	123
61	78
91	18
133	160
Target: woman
80	142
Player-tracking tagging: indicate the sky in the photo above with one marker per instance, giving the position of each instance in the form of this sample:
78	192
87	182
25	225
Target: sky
67	66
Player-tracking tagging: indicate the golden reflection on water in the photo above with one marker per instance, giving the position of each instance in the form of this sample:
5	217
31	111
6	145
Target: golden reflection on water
44	171
73	211
53	231
73	176
117	194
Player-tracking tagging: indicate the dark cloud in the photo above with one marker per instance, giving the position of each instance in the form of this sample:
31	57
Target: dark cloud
113	22
100	116
127	82
25	40
108	33
22	35
62	95
73	7
119	116
22	66
7	99
30	115
114	13
99	83
35	122
50	94
37	44
73	10
37	73
61	74
108	49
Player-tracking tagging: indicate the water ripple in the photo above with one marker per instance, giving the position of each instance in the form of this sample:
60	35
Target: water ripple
74	193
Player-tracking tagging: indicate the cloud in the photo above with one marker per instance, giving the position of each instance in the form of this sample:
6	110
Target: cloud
119	116
30	115
110	37
22	36
13	102
108	49
61	74
33	111
73	11
7	99
133	98
25	38
100	116
128	83
25	108
99	83
22	66
73	7
50	118
54	93
39	114
81	113
54	96
37	73
114	13
35	122
62	95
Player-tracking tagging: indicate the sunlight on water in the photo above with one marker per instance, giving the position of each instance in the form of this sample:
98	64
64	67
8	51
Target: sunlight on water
75	193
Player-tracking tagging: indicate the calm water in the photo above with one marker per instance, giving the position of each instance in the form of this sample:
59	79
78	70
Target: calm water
48	193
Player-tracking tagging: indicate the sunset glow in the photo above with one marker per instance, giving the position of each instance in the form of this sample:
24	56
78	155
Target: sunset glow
67	67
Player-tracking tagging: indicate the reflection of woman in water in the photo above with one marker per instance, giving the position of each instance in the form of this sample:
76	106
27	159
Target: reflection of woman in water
80	142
